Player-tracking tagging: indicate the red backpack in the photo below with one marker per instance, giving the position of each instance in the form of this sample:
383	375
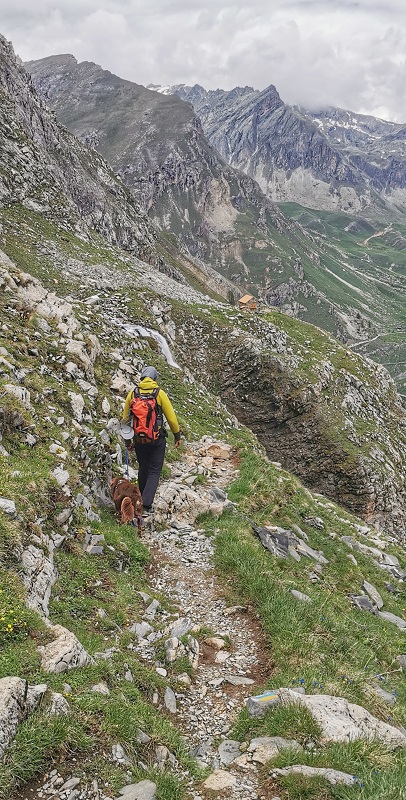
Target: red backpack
146	416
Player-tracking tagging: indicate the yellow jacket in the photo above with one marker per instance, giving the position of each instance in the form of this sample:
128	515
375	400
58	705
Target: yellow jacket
146	386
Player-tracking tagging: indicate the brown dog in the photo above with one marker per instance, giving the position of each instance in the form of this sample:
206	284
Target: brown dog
127	500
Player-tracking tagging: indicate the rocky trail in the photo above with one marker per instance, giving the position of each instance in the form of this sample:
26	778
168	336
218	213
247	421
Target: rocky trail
221	642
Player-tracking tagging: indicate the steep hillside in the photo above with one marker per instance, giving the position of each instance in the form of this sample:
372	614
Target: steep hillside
139	667
330	159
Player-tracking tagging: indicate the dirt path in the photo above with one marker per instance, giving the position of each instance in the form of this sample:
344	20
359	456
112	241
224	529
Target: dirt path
379	233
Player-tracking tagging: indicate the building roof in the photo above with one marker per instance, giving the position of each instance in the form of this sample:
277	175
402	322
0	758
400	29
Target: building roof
246	298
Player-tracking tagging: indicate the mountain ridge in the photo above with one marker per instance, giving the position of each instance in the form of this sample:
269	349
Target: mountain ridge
326	172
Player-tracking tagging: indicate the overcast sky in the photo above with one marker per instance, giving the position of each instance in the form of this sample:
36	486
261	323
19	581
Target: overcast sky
347	53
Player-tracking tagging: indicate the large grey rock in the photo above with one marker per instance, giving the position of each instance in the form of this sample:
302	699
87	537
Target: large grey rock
182	627
388	617
39	575
143	790
17	701
220	780
260	703
263	748
8	506
170	700
301	596
341	721
64	653
228	751
333	776
59	704
373	593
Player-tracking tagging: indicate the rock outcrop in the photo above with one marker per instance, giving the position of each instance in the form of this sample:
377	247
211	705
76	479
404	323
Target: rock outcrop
329	158
336	422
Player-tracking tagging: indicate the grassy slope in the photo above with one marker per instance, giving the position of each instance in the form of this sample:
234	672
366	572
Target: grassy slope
329	647
367	272
321	648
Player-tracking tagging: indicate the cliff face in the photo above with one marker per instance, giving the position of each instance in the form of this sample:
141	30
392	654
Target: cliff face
330	417
330	159
44	167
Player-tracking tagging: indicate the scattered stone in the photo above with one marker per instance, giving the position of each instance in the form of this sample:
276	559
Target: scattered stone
238	680
59	704
264	748
342	721
101	688
106	408
182	627
19	392
235	609
142	737
215	642
8	506
144	790
402	661
184	679
257	705
141	629
119	755
333	776
388	617
152	609
222	656
300	596
65	652
170	700
220	780
373	593
17	701
61	476
70	784
363	603
77	404
387	697
228	751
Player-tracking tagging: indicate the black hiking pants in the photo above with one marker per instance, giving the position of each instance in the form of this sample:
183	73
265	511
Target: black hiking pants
150	462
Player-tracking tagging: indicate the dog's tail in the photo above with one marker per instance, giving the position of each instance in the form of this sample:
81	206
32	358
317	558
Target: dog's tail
127	511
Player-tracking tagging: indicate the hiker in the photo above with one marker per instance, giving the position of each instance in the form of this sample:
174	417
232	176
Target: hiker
144	409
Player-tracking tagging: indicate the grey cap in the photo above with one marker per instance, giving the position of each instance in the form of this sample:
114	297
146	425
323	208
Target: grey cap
149	372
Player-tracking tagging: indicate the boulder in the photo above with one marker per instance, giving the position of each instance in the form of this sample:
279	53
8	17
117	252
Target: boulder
263	748
65	652
220	780
257	705
333	776
144	790
59	704
228	751
341	721
8	506
17	701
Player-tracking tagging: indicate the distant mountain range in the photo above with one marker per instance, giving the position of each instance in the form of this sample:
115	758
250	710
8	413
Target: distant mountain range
344	273
330	158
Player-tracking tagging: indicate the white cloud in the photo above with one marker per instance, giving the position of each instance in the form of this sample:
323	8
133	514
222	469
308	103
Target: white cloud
349	53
